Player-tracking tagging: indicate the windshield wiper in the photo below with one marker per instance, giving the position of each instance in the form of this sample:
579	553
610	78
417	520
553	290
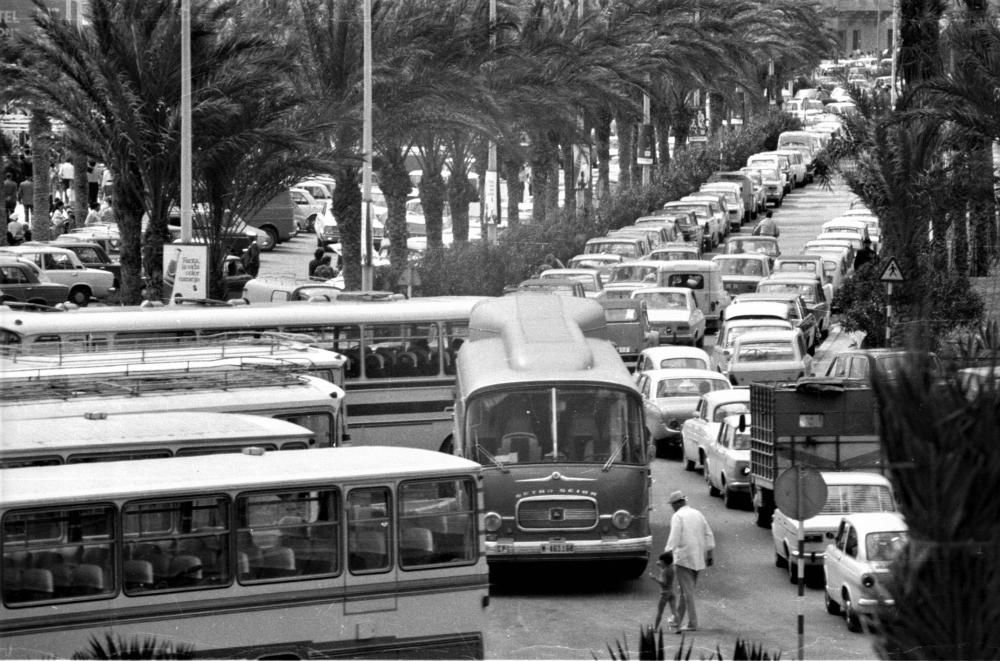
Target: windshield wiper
496	462
614	455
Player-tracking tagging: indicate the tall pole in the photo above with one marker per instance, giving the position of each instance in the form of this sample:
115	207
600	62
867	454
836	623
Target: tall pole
186	230
895	53
367	279
647	168
492	167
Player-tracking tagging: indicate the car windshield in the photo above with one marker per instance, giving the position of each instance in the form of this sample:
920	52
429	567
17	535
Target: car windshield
751	245
734	332
672	255
688	387
661	300
613	248
684	363
741	440
723	411
740	266
851	498
700	210
633	273
621	315
798	267
689	280
884	546
807	291
755	352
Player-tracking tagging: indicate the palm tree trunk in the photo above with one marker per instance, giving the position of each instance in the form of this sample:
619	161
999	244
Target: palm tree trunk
460	194
511	167
626	151
80	192
394	181
602	140
569	177
661	123
128	212
541	172
432	198
347	210
40	130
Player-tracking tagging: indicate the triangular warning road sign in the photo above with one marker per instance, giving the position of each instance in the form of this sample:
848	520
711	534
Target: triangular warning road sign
891	272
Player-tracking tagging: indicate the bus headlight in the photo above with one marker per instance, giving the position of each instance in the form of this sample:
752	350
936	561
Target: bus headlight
621	519
492	521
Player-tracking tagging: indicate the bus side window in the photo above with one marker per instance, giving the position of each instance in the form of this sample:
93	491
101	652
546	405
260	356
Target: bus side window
436	523
321	424
368	530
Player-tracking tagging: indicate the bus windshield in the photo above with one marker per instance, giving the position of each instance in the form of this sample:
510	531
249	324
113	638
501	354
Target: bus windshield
549	424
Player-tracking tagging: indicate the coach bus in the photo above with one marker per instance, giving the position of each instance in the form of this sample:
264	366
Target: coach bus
263	351
400	370
120	437
348	552
313	403
555	419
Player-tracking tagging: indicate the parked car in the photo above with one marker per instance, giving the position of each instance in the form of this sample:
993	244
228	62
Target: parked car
769	356
741	273
811	264
276	219
772	180
848	492
784	164
765	245
670	397
590	279
702	277
640	272
327	231
674	314
689	228
93	256
662	221
797	313
727	462
22	281
675	252
857	566
601	263
720	211
733	329
858	365
734	201
64	267
628	327
307	209
813	291
672	357
756	177
711	233
562	287
699	431
627	247
752	203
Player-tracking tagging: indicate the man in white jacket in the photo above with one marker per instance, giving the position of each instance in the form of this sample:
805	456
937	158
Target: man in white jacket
692	542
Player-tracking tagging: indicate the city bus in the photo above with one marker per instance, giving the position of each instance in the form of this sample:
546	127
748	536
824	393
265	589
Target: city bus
264	351
557	423
102	437
348	552
313	403
400	369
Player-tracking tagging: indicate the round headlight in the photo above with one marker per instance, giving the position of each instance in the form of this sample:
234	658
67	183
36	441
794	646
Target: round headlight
492	521
868	580
621	519
746	470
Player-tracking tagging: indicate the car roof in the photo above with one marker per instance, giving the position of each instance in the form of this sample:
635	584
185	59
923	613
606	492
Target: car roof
755	238
744	309
768	335
552	273
689	265
867	522
674	351
764	297
797	258
663	290
797	277
37	247
853	477
740	255
717	397
674	245
684	373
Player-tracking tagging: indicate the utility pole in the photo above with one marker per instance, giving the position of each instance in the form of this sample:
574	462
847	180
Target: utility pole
367	275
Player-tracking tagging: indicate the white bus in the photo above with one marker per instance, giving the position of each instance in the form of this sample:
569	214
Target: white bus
553	415
348	552
264	351
313	403
400	369
126	436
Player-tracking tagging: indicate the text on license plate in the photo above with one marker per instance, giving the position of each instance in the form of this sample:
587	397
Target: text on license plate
557	548
624	349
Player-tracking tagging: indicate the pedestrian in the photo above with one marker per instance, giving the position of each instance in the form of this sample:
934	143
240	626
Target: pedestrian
325	269
316	260
664	576
26	193
66	174
60	219
93	215
9	194
692	543
864	256
767	226
15	232
93	182
251	259
106	182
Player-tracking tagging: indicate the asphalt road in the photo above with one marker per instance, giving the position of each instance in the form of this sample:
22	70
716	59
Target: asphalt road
575	612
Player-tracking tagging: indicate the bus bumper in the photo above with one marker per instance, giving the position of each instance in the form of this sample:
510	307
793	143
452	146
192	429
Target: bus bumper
508	550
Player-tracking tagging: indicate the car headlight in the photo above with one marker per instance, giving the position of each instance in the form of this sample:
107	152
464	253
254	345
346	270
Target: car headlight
868	580
674	424
492	521
746	470
621	519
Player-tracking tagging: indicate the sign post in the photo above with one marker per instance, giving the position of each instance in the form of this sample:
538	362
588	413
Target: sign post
800	493
891	274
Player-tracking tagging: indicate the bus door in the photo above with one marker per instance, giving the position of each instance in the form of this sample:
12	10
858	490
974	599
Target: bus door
371	577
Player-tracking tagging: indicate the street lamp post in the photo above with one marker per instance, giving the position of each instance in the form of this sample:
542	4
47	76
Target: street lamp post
367	277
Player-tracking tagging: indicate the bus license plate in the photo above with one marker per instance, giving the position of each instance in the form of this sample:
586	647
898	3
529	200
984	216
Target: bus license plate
504	548
557	548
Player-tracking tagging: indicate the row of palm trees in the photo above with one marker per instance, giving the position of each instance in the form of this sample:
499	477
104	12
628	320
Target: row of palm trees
277	94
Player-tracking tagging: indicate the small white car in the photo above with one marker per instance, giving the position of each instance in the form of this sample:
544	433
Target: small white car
857	566
672	357
702	430
64	267
591	279
674	313
769	356
727	462
669	397
848	492
734	328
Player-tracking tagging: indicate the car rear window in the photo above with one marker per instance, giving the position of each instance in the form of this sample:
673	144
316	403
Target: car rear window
851	498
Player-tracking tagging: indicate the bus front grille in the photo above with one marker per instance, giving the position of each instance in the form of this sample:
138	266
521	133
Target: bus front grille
556	514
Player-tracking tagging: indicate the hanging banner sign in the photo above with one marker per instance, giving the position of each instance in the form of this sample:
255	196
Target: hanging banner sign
185	270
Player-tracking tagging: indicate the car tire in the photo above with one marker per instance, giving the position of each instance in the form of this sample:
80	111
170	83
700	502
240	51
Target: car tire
271	241
712	491
730	498
832	607
851	618
793	570
689	465
79	296
700	342
779	561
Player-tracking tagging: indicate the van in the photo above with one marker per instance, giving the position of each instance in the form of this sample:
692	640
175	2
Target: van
746	191
734	201
276	219
628	328
704	278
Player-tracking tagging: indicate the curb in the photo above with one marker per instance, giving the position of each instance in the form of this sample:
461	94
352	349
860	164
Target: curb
836	342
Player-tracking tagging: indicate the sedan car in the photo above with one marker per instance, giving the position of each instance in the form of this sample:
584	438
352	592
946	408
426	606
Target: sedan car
92	255
600	263
590	279
798	313
812	290
765	245
63	266
675	252
674	313
672	357
856	566
769	356
741	273
848	492
727	462
670	397
858	365
22	281
734	328
560	286
699	432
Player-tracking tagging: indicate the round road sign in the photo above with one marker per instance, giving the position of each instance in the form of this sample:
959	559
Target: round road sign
800	492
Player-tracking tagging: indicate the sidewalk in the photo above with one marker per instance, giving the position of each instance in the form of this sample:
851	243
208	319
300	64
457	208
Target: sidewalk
837	341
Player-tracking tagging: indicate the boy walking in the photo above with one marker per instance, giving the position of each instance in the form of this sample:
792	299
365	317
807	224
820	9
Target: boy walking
665	577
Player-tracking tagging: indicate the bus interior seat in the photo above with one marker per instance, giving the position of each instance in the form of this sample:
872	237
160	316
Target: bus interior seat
407	364
138	575
375	366
416	545
95	555
88	579
368	550
597	450
276	562
523	443
62	579
582	433
185	571
36	584
243	566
